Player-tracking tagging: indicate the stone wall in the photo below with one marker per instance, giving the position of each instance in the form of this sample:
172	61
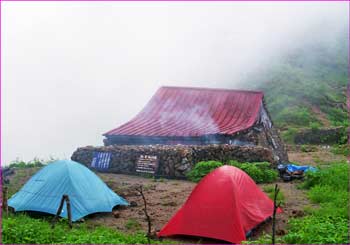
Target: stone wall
320	136
174	161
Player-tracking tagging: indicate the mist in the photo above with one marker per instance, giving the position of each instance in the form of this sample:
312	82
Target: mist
72	71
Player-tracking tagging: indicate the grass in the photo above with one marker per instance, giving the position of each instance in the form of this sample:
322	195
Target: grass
132	224
270	191
341	149
329	223
21	228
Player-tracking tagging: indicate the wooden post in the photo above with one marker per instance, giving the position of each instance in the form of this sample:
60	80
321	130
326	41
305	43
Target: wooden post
59	210
4	199
147	216
275	207
69	211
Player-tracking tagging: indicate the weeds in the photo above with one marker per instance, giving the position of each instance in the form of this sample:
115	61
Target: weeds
24	229
132	224
270	190
329	223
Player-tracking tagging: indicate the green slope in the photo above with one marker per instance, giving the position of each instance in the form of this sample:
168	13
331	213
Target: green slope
307	87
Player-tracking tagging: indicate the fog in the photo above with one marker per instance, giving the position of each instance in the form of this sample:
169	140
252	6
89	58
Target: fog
71	71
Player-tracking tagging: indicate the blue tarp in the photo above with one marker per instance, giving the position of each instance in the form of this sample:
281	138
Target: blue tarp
87	192
292	168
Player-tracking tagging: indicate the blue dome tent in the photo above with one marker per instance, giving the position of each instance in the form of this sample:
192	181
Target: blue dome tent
87	192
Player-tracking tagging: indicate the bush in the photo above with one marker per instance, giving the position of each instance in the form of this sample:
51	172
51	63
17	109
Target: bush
289	135
201	169
31	164
260	172
298	116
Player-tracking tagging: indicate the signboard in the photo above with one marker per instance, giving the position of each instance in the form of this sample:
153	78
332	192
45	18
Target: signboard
101	160
147	164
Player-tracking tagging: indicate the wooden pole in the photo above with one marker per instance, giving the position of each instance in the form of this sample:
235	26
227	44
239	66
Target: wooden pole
4	199
69	211
275	207
147	216
59	210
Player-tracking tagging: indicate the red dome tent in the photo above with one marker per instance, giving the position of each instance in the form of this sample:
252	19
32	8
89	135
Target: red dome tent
225	205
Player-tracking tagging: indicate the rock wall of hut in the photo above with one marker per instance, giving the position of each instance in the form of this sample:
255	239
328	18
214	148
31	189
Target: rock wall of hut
174	161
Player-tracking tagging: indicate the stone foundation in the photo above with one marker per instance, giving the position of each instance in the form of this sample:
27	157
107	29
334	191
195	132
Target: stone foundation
174	161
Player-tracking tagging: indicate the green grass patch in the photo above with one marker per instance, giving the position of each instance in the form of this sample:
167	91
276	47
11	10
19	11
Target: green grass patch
132	224
270	191
21	228
329	223
341	149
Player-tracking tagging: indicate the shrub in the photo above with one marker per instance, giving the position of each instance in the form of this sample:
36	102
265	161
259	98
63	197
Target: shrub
260	172
298	116
21	164
289	135
201	169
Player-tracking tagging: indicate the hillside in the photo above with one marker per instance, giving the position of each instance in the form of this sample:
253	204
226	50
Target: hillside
307	87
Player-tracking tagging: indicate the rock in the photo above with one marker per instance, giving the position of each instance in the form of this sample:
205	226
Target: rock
133	204
281	232
297	213
116	214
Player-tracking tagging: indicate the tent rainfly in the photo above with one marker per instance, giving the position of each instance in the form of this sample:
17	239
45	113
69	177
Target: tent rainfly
87	192
225	205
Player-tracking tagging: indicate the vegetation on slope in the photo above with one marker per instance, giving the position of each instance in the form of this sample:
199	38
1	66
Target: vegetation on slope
308	85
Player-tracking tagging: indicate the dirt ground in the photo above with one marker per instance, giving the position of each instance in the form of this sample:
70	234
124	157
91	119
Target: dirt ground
318	157
165	197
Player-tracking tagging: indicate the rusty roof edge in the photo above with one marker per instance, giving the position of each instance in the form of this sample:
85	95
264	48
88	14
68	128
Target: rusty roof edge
217	89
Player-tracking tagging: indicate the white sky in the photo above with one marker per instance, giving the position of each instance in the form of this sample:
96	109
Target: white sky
74	70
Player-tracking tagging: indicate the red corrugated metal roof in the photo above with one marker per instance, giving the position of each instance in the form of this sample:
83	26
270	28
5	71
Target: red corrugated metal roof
182	111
